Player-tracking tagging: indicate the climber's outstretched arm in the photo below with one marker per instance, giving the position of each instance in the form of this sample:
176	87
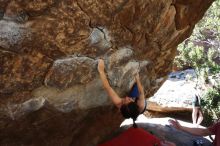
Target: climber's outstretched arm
141	99
113	95
191	130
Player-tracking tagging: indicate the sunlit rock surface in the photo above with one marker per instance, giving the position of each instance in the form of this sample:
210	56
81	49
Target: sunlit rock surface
176	93
50	91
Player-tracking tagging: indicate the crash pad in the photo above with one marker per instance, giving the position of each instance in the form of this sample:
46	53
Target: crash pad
133	137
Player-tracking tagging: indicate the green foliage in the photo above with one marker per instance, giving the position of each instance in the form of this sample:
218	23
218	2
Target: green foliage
203	47
211	104
214	67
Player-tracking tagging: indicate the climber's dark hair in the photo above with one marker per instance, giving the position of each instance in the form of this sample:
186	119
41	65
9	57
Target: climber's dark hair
130	110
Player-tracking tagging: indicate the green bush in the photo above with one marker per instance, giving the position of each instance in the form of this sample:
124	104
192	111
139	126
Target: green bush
202	49
211	104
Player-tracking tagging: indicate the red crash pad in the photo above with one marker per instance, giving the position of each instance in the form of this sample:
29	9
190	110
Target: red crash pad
134	137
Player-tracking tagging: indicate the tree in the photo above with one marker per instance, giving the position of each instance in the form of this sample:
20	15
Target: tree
202	50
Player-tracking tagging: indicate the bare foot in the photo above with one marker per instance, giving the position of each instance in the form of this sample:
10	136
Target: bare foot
101	65
174	123
167	143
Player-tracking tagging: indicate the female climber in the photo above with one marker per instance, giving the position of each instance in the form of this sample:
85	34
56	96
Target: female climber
130	106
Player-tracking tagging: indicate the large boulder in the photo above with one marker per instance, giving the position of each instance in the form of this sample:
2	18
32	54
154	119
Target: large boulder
50	90
176	94
178	91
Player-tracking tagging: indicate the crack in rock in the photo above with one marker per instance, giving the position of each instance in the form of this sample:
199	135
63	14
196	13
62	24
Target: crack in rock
100	38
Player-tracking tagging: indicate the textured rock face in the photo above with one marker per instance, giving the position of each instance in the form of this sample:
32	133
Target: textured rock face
50	91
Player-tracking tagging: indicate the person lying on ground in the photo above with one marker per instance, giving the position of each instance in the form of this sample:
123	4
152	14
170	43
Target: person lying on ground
130	106
211	130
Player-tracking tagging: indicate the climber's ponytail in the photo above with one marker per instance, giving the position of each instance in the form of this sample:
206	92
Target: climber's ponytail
134	124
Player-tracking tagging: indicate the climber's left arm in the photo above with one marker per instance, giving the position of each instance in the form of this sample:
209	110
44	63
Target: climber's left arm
141	99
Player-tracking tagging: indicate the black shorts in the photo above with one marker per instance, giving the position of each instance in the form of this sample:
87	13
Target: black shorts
195	101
